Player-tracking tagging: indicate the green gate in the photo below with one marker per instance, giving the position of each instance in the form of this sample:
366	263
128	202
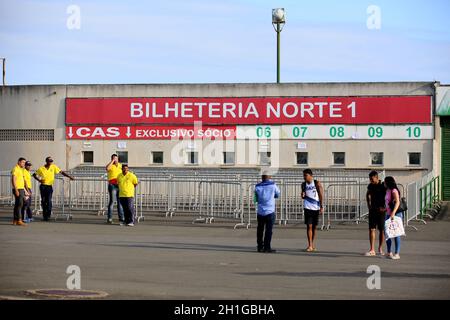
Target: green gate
445	157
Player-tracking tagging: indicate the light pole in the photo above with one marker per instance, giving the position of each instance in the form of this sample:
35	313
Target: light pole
4	69
278	21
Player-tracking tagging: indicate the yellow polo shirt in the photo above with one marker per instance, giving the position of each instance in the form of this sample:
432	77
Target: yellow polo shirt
48	175
113	172
27	176
126	184
17	171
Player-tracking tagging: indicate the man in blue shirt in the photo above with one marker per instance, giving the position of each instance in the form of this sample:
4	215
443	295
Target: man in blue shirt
265	194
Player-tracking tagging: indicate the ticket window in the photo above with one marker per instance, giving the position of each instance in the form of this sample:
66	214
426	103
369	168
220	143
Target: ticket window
88	157
414	158
123	156
339	158
229	158
376	158
157	157
192	158
302	158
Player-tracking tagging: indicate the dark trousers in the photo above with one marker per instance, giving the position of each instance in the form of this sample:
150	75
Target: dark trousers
46	200
18	204
265	223
26	209
128	209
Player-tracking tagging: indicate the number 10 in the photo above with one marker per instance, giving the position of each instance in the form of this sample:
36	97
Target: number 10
416	132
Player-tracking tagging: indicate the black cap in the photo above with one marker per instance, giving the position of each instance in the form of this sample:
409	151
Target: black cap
28	163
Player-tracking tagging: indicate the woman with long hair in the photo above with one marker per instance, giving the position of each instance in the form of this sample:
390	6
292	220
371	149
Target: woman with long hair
392	200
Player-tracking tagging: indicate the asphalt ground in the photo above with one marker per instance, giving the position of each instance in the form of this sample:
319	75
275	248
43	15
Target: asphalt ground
163	258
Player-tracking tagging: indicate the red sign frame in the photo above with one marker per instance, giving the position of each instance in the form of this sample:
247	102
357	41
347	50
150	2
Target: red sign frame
248	110
150	132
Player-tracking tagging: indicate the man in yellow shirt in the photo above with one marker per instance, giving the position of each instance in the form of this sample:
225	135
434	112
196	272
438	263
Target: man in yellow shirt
27	213
18	189
114	168
127	183
46	177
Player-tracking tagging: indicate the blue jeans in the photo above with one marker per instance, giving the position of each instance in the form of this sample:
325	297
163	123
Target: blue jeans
265	223
396	239
26	209
113	191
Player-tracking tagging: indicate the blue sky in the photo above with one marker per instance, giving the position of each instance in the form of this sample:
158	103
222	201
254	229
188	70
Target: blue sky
202	41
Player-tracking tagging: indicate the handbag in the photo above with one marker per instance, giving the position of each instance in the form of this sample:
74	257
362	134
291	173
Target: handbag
394	228
402	207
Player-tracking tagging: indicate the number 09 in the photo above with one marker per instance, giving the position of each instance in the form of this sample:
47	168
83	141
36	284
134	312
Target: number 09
375	132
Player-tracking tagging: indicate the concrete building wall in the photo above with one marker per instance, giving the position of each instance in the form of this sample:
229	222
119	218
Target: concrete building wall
43	107
319	152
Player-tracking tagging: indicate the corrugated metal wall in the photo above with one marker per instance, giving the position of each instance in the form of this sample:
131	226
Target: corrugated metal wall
445	157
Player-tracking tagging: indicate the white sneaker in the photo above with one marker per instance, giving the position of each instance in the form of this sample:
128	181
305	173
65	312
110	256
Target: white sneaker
130	225
388	255
395	257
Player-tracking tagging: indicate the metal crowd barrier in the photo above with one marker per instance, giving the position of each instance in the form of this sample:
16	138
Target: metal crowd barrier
347	203
88	194
6	196
429	197
220	200
59	199
209	195
183	196
343	203
152	195
213	194
414	199
289	207
206	200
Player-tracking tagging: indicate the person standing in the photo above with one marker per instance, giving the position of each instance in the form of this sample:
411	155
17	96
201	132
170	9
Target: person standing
375	198
18	190
114	168
127	182
265	194
46	177
392	202
27	213
312	194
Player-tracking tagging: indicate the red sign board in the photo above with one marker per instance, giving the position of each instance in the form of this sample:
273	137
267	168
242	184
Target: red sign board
246	110
150	132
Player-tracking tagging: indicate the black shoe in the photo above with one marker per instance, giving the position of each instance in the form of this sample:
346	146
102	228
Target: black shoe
260	249
46	219
270	250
